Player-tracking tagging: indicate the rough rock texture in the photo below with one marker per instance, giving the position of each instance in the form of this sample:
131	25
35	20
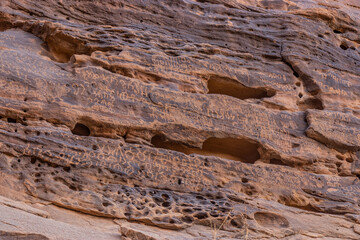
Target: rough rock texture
180	119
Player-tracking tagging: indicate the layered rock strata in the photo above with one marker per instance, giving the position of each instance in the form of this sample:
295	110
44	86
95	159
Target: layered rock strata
179	119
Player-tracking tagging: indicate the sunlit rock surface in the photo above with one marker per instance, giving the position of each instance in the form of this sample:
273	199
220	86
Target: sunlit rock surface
179	119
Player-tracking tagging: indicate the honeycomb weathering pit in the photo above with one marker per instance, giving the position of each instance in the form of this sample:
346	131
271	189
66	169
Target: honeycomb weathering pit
179	119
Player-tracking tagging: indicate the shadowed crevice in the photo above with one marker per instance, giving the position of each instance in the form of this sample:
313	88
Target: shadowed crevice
81	130
229	148
311	103
227	86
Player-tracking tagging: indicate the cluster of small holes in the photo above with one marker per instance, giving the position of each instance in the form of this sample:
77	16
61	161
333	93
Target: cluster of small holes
22	121
38	169
298	86
165	207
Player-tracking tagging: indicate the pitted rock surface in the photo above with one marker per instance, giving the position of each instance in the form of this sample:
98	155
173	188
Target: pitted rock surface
180	119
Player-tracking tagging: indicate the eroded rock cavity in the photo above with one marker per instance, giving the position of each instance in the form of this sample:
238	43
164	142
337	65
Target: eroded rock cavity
179	119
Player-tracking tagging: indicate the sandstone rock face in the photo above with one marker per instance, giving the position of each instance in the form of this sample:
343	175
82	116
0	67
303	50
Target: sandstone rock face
179	119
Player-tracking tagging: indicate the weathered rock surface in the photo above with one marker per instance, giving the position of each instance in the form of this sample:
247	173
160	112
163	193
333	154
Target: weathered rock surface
180	119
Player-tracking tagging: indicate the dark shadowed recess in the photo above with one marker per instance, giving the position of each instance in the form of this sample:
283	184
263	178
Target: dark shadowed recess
81	130
310	103
227	86
229	148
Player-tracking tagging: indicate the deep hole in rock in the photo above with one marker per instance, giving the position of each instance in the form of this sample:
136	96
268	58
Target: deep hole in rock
187	219
11	120
33	160
66	169
343	47
188	210
227	86
81	130
5	25
295	73
206	163
166	204
165	196
277	162
230	148
201	215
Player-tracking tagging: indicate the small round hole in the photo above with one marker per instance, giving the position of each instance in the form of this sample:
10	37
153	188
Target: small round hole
343	47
